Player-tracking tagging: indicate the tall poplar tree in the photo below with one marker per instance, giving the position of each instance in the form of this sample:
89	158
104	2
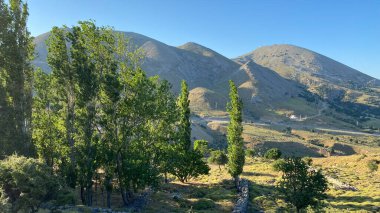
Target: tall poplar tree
184	125
65	83
16	51
187	162
235	142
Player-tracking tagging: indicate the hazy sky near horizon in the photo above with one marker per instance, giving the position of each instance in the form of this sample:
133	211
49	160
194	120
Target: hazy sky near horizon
345	30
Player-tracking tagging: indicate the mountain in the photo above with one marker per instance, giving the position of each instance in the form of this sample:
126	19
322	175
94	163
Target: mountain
274	81
319	73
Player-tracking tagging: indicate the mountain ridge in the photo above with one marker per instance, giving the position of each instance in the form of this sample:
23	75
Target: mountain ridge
268	78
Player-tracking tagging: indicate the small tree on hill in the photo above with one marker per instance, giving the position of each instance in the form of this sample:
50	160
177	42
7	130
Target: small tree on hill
300	185
201	146
218	157
235	149
273	154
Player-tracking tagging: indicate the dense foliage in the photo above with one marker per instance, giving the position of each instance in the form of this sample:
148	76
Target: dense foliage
16	53
98	110
300	185
25	183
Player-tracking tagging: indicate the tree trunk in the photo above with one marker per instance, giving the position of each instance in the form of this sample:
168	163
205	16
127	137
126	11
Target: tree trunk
236	180
89	195
82	195
123	196
109	190
108	198
166	177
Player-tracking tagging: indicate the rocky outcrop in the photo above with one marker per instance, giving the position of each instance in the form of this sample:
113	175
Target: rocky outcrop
243	196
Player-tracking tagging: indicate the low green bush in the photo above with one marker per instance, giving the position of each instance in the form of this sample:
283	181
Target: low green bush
372	165
26	183
273	154
203	204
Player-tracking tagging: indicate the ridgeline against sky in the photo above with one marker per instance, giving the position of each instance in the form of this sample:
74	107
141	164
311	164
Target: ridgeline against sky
346	31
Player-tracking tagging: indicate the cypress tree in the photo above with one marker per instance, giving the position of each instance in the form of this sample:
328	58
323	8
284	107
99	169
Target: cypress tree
235	149
184	126
188	162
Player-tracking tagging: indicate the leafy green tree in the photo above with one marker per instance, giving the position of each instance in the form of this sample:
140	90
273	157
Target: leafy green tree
188	165
16	73
218	157
235	142
187	162
201	146
300	185
47	125
273	154
65	82
146	129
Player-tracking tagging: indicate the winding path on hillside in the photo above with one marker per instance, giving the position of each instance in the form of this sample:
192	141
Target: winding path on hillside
225	120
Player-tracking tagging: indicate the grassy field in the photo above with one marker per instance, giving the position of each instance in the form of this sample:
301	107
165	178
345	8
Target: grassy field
215	193
348	165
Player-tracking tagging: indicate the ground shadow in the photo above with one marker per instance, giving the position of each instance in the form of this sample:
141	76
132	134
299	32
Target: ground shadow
343	149
182	197
257	174
292	149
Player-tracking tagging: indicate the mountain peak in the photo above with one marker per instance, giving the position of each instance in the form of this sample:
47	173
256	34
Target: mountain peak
198	49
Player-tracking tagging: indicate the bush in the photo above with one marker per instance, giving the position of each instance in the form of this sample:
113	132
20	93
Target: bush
203	204
273	154
218	157
25	183
301	186
250	153
372	165
288	130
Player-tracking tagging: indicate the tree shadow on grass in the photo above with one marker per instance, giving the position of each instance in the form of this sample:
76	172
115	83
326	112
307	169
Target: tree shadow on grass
344	149
257	174
292	149
354	202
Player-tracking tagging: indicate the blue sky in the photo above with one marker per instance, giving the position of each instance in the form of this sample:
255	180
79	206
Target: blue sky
345	30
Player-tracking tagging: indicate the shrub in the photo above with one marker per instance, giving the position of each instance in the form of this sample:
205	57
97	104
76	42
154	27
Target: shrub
26	183
273	154
301	186
372	165
218	157
250	153
201	146
288	130
203	204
